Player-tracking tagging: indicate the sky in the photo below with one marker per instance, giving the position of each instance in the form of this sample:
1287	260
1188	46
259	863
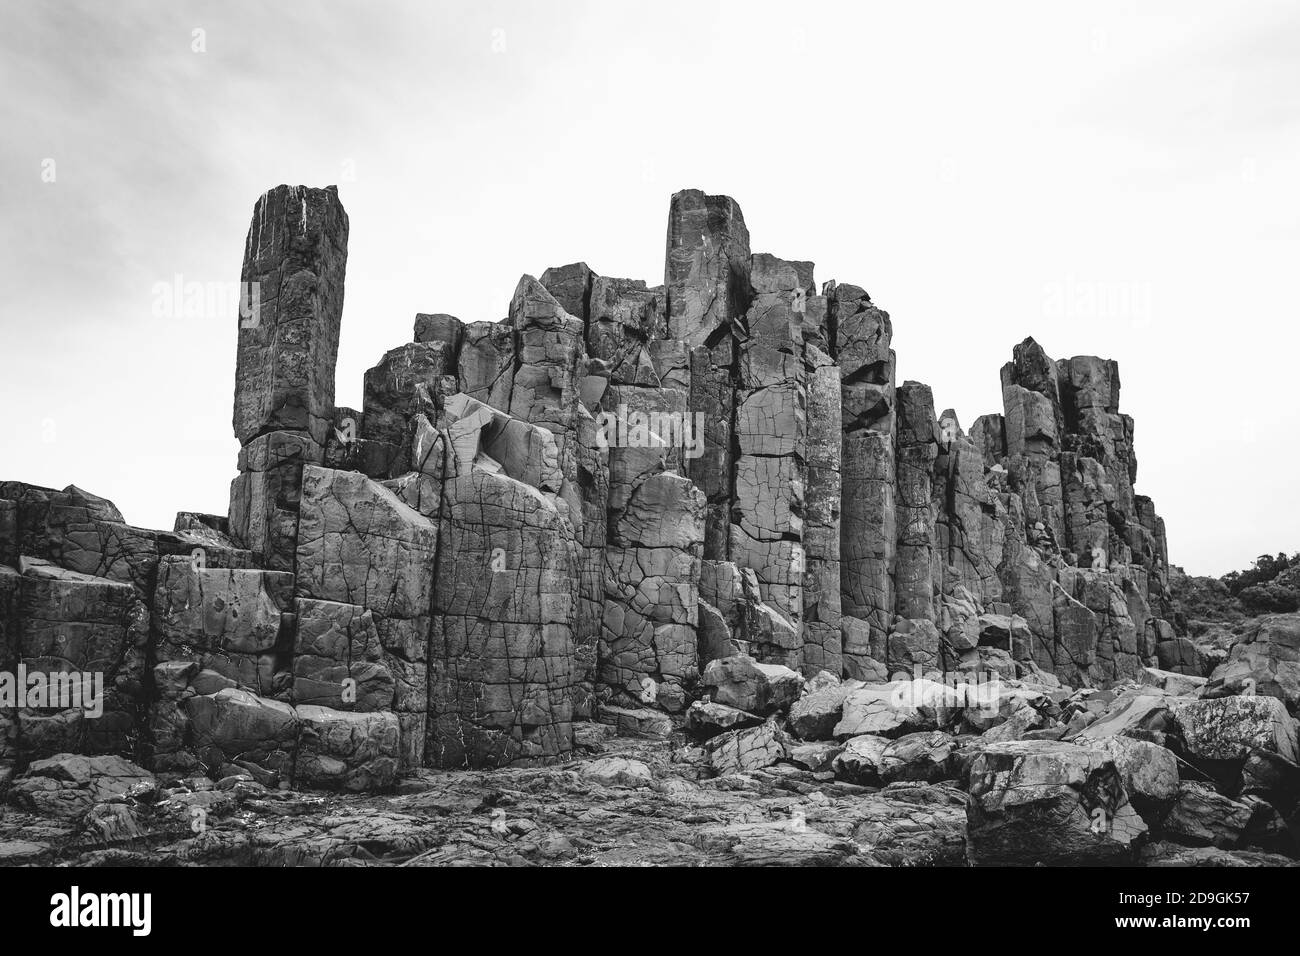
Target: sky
1114	179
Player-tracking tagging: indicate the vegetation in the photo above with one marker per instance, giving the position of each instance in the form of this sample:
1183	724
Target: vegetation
1271	585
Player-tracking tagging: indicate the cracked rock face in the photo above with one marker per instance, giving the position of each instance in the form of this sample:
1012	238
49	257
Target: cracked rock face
500	687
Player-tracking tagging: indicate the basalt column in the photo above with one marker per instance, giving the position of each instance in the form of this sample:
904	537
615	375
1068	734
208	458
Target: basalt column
822	639
295	257
868	539
571	285
706	275
1034	423
767	516
968	525
914	639
502	654
546	388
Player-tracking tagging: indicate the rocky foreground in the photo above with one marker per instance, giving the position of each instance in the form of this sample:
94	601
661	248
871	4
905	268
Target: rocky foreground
772	769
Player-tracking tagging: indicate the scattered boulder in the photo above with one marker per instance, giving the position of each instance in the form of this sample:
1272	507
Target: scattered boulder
347	751
1171	682
1203	817
1149	772
744	751
817	756
706	718
860	760
68	785
924	757
1052	803
636	721
236	727
814	716
743	683
1130	715
1231	728
891	710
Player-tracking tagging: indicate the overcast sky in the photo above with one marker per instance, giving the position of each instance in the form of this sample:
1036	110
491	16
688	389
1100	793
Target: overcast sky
1113	182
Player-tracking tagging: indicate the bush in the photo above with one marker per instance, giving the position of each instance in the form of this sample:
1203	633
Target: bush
1265	569
1270	598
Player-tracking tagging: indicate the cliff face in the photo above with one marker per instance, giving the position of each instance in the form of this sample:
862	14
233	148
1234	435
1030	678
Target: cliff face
567	514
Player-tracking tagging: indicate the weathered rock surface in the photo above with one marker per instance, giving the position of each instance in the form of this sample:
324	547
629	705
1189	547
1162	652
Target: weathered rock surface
1231	728
1202	817
67	785
1265	660
747	685
347	751
1050	803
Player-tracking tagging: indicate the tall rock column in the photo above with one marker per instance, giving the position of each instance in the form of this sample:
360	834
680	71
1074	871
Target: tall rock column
295	258
822	638
1034	425
771	437
1098	467
968	526
706	274
546	390
623	321
914	639
868	539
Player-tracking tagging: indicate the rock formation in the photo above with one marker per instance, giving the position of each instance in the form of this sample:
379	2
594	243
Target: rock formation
682	534
572	514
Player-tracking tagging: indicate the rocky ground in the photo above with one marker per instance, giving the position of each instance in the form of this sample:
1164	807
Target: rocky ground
773	770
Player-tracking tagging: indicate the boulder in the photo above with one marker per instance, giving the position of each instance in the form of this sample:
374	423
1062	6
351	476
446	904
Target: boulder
892	709
1179	685
1051	803
1149	772
814	716
744	751
924	757
745	684
338	750
636	721
1231	728
68	785
860	760
706	718
1131	715
236	727
818	756
1201	816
